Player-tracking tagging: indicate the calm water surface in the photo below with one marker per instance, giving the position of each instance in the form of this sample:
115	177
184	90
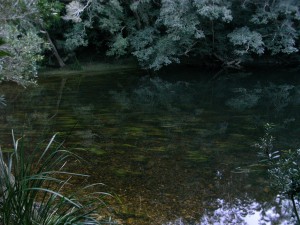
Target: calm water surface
176	148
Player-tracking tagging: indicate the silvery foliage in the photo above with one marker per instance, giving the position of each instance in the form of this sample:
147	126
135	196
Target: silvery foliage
156	36
214	9
118	46
108	16
17	10
274	28
111	16
73	11
159	33
25	49
280	18
21	41
182	31
248	41
177	31
76	37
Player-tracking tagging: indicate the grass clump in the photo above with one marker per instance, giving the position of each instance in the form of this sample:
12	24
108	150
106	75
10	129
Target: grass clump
31	189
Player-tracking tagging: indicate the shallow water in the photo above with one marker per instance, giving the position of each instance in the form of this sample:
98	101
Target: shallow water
176	148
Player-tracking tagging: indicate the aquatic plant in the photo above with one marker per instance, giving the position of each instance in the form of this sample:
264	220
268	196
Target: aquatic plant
31	188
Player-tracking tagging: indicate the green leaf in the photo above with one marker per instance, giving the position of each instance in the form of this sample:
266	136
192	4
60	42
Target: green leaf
2	42
3	53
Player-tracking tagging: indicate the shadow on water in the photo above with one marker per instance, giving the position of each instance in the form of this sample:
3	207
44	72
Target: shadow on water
172	147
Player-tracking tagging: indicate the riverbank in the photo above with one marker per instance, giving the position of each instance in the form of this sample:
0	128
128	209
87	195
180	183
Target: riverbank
90	68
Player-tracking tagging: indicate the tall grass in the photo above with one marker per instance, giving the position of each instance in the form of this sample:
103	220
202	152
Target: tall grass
31	188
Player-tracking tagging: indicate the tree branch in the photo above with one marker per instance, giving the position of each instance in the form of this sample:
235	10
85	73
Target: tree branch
54	49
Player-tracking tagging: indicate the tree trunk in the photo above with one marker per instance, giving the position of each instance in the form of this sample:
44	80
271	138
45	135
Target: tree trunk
57	56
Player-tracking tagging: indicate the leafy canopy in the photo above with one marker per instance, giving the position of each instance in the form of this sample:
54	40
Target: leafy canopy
159	33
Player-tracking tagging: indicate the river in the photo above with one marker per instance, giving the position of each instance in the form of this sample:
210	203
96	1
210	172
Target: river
176	147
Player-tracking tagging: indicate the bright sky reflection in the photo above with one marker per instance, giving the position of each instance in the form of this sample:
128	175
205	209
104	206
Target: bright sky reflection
278	212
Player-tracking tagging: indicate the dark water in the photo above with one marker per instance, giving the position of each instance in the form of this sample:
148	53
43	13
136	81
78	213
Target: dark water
176	148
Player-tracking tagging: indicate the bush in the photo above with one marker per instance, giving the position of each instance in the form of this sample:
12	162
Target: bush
283	168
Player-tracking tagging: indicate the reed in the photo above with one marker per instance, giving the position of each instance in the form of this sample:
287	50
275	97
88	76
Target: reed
31	188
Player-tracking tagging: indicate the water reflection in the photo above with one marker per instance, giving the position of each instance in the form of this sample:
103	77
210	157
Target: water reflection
168	147
246	212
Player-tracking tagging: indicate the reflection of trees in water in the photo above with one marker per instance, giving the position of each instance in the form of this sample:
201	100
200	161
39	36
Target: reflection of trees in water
27	110
274	102
250	212
154	94
270	100
271	96
246	212
176	136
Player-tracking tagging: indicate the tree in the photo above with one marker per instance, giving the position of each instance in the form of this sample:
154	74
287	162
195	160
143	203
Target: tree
22	41
23	25
47	21
162	32
25	51
276	22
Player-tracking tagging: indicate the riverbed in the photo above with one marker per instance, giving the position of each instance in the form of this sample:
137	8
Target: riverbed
174	147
